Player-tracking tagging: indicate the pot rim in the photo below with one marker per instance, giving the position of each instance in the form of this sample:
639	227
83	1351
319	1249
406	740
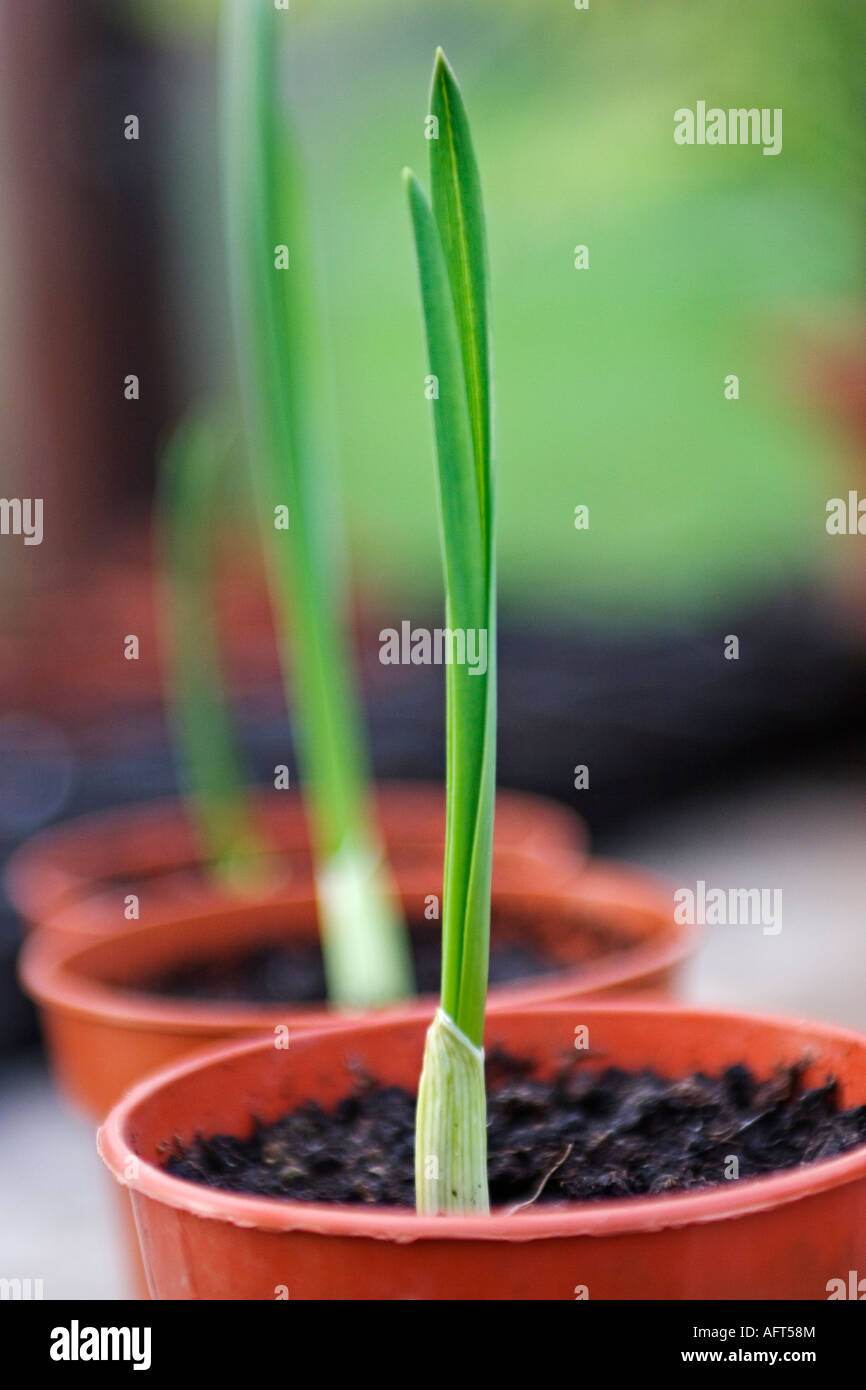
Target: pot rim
619	1216
48	963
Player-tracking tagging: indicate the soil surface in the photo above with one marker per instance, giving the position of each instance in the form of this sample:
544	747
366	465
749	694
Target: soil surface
294	972
582	1136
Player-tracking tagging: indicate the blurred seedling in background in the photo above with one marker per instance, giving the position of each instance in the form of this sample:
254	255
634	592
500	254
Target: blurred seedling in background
192	505
364	943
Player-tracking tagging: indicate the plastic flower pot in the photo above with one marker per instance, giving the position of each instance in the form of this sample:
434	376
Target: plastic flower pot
609	929
782	1236
129	848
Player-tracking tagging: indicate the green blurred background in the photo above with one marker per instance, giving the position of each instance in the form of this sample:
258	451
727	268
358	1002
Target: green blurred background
703	262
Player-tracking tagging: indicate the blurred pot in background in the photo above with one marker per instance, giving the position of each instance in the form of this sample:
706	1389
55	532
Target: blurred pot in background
153	851
603	929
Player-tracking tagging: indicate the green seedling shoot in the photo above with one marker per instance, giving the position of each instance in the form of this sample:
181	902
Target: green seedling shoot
365	945
450	241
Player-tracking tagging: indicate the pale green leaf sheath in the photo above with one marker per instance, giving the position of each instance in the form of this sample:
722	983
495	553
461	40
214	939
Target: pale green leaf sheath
450	1139
270	266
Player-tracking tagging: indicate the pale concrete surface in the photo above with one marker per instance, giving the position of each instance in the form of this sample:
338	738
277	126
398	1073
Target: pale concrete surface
56	1214
806	837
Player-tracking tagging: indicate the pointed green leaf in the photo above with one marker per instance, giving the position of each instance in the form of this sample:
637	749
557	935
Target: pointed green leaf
450	244
459	212
458	495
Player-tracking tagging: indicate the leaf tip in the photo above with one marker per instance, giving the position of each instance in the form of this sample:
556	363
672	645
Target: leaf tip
412	185
443	73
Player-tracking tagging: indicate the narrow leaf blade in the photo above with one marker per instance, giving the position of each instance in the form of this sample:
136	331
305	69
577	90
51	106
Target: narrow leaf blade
470	743
459	212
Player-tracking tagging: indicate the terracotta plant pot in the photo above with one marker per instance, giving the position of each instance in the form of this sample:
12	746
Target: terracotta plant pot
133	848
610	928
778	1237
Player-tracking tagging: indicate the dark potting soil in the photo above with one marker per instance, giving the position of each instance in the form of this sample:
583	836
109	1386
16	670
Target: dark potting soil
293	972
582	1136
